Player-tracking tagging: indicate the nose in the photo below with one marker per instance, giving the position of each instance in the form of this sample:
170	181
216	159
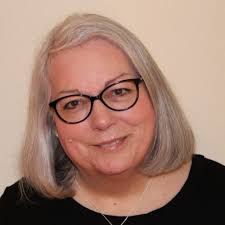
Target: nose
101	117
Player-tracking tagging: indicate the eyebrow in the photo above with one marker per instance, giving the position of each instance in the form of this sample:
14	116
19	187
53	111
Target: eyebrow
107	83
72	91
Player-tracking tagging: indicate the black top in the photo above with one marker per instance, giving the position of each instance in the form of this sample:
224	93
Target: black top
201	201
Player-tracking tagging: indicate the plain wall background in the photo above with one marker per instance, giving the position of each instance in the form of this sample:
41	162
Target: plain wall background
185	37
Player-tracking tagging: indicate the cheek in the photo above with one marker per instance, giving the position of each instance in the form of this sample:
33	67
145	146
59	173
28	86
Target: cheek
73	140
142	114
68	133
141	120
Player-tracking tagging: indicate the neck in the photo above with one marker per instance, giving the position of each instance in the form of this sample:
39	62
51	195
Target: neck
112	195
112	185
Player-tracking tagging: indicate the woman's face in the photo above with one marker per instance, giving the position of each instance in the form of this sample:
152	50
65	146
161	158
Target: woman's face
108	142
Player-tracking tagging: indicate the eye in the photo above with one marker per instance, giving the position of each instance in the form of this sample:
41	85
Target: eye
72	104
120	91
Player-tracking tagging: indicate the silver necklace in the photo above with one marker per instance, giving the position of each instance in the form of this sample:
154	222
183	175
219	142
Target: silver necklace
131	210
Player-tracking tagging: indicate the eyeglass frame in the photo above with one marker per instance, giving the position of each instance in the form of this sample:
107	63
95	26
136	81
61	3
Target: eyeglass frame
137	81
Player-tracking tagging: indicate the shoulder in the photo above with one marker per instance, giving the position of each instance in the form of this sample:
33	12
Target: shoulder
208	166
9	203
12	197
40	210
208	173
14	207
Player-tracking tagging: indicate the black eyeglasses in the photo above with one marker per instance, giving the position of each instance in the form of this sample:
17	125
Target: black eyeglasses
119	96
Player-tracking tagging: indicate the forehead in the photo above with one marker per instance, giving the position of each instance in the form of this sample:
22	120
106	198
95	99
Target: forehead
87	67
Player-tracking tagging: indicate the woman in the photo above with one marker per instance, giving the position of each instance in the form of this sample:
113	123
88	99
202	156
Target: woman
106	141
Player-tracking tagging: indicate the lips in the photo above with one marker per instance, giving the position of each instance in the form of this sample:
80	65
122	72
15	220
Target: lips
111	145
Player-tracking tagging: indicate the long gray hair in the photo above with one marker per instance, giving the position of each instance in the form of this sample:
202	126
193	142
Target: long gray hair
45	166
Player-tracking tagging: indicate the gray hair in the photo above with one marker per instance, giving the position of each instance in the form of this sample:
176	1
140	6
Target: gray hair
45	166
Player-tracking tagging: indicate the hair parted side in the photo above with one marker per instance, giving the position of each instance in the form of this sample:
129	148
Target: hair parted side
45	166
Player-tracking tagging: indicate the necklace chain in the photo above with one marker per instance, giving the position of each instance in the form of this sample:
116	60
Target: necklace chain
132	209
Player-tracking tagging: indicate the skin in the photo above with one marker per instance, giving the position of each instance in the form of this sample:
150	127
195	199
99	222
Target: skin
89	68
108	148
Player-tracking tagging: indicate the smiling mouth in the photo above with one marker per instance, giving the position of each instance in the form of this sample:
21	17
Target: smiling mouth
111	145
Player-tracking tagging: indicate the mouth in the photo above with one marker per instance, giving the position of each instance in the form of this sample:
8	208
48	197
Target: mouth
111	145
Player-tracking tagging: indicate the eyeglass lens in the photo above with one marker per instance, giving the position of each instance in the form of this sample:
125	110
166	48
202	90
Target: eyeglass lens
118	97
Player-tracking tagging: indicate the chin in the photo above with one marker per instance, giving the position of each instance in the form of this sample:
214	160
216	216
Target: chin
114	170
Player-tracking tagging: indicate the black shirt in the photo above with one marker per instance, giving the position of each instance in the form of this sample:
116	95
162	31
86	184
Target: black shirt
201	201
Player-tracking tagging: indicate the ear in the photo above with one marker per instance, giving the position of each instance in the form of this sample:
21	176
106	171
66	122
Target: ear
52	123
56	133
